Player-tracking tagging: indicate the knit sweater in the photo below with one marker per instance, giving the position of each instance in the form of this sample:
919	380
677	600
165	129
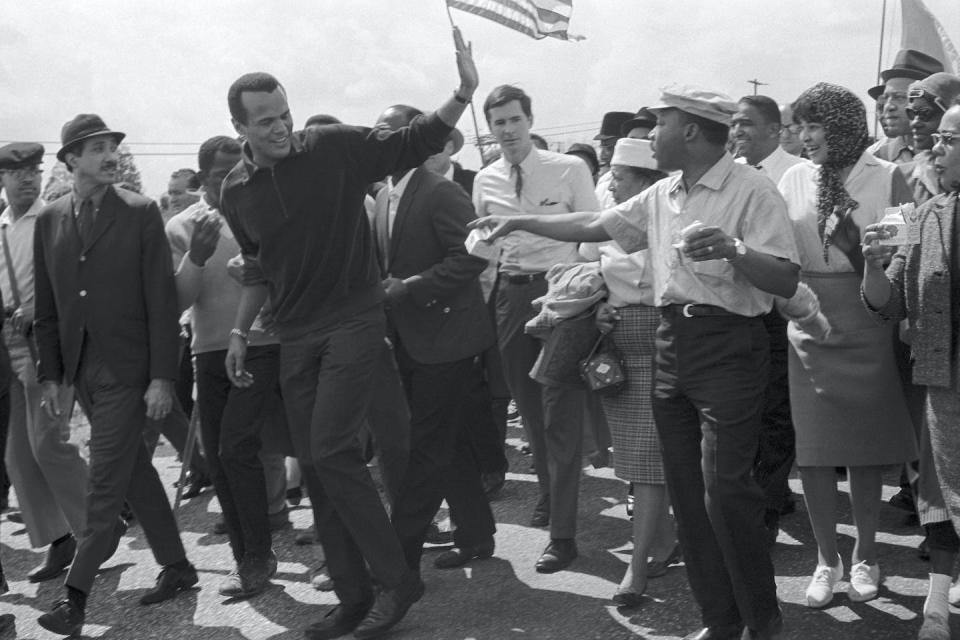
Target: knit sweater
210	292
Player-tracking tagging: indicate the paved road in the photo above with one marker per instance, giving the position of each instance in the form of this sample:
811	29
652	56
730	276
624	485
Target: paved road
500	598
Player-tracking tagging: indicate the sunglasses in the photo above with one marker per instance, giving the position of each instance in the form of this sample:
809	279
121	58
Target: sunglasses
927	115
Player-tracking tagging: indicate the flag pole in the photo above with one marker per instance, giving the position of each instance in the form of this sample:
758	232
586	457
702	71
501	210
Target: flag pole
473	111
883	25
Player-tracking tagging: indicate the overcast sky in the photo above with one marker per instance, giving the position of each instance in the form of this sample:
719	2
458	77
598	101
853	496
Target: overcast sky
160	70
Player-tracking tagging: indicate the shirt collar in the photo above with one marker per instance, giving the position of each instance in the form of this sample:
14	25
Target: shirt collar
250	167
713	179
96	198
396	190
6	218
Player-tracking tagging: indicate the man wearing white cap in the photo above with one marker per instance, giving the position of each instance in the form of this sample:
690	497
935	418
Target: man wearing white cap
721	247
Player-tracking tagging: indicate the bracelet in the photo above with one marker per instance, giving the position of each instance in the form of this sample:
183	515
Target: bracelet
459	98
240	333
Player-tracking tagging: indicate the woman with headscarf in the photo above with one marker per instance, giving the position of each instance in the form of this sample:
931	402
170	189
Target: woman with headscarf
631	320
847	401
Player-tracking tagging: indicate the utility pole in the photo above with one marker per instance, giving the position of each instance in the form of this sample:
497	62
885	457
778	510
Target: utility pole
756	83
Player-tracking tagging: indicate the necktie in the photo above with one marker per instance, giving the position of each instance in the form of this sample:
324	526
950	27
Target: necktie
85	222
515	168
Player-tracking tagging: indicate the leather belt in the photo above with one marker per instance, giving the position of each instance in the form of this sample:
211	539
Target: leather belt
702	310
523	278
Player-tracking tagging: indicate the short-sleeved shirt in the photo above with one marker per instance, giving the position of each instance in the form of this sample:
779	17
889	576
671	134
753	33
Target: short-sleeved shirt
552	183
19	234
738	199
875	184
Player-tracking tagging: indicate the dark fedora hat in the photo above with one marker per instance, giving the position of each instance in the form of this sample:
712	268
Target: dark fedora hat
912	64
610	127
642	118
587	152
83	126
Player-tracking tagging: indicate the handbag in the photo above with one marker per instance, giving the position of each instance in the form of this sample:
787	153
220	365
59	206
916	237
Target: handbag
603	371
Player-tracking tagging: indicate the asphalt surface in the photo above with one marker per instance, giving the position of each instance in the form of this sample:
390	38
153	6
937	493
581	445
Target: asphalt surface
499	598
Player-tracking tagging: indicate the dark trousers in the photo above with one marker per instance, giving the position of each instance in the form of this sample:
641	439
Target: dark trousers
326	378
175	428
707	401
552	416
486	420
778	449
441	463
120	469
231	420
6	376
388	420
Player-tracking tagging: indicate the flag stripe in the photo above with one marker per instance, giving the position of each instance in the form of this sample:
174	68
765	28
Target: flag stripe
536	18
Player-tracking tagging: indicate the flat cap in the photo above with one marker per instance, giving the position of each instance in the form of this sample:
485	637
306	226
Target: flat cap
634	152
697	101
941	88
20	154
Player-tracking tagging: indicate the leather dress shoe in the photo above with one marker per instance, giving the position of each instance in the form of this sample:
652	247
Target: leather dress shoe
338	622
557	556
769	631
59	556
390	607
628	599
66	619
658	568
219	527
725	632
436	536
172	579
195	485
459	556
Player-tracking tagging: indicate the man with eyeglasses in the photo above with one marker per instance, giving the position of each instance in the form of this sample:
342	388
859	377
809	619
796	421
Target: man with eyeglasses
46	469
928	99
892	99
790	132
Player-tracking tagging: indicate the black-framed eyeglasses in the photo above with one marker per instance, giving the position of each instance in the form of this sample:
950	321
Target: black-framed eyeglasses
894	97
946	138
24	173
793	129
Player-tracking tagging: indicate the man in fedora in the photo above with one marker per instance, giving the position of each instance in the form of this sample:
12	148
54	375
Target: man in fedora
610	131
891	96
106	322
45	467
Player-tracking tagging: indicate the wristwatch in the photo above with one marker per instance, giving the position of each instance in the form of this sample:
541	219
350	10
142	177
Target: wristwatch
739	248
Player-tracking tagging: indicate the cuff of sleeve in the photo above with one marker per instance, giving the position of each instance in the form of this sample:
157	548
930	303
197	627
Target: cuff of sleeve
626	234
417	291
881	315
187	265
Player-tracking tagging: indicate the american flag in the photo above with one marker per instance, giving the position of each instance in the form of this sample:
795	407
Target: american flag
536	18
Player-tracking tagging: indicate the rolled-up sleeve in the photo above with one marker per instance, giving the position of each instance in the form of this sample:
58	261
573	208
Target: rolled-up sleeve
627	224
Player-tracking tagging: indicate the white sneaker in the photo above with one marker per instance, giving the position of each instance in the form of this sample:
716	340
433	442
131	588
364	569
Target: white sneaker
820	589
864	582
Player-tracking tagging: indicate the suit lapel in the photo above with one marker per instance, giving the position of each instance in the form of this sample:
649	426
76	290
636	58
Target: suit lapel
403	208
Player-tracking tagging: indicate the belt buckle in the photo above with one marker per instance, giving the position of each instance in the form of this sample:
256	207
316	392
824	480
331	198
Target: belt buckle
686	310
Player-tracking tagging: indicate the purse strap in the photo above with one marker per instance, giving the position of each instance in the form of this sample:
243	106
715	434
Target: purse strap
596	345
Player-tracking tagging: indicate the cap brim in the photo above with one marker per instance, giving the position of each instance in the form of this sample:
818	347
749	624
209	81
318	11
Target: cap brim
61	154
876	92
630	125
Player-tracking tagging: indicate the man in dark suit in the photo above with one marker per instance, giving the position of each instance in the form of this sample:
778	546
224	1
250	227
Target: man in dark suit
439	325
106	322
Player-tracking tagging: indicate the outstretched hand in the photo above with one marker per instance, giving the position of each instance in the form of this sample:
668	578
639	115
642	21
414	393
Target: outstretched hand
469	78
496	226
